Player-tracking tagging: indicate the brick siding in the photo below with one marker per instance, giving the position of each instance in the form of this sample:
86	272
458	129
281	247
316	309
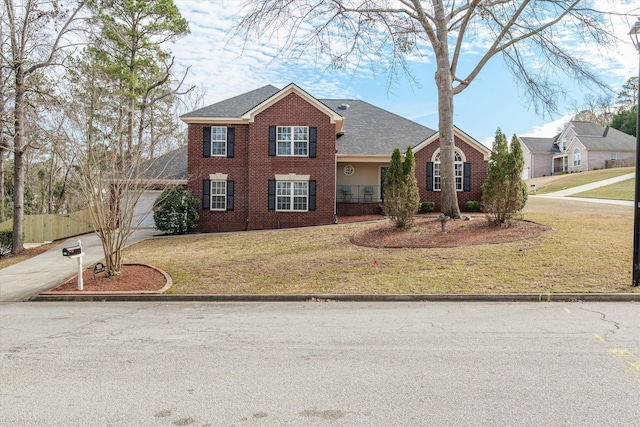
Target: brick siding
252	168
479	168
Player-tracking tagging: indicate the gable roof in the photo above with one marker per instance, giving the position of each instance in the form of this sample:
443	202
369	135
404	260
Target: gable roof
362	129
370	130
596	137
233	107
245	107
538	145
486	152
591	135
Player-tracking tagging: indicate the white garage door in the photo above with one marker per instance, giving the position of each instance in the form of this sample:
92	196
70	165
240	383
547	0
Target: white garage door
143	213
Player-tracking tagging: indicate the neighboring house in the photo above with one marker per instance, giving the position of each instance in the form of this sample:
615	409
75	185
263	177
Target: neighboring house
278	158
581	146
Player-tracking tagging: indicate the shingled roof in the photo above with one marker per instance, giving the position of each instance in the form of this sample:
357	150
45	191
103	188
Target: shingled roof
235	107
369	130
540	145
169	166
596	137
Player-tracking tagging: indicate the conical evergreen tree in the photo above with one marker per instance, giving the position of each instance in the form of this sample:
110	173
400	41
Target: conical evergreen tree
502	192
401	194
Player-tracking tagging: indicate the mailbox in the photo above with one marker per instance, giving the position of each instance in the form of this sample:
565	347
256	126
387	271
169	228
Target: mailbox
72	250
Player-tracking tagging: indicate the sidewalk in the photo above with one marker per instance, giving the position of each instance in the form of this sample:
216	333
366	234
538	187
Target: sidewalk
20	281
591	186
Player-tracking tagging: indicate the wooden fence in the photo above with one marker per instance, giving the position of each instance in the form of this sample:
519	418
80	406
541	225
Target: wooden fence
622	163
47	228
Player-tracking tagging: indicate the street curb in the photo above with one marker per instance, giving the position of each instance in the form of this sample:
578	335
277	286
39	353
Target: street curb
550	297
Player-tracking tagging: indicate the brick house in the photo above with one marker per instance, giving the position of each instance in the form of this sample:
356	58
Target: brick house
280	158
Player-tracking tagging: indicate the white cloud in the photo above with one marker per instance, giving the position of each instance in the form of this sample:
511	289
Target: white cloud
549	129
225	68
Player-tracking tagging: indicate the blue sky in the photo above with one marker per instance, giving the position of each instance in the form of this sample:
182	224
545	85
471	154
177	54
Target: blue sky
224	69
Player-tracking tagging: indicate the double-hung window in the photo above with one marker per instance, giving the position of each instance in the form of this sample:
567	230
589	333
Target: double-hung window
462	173
457	167
292	140
292	196
577	158
218	195
219	141
292	193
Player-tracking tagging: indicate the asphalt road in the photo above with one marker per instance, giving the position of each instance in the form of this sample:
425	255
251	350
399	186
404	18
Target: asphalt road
319	364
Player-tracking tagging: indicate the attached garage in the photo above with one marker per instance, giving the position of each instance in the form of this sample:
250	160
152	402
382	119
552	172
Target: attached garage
143	212
168	170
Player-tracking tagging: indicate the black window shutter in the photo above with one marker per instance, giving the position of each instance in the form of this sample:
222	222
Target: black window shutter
206	141
429	176
229	195
206	194
466	177
231	142
272	194
312	195
313	142
272	141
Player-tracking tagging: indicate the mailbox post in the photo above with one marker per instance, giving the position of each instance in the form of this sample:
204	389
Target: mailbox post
76	252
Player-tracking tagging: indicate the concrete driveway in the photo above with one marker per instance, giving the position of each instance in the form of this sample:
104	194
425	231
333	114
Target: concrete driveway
20	281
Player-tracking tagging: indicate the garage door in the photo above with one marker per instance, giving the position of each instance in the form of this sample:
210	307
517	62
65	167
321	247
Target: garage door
143	213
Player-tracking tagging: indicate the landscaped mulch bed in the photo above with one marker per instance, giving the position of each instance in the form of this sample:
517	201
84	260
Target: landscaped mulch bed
133	278
427	233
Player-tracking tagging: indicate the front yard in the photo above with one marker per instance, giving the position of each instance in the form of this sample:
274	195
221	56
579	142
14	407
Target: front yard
589	251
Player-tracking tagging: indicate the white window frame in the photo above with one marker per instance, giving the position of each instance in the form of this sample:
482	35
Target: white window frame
614	156
219	196
217	141
288	141
292	196
458	167
577	157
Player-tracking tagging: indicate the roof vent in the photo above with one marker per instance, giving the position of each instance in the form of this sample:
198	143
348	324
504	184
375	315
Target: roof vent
344	106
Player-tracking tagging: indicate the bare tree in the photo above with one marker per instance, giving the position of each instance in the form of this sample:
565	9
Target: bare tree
528	34
597	109
36	32
120	91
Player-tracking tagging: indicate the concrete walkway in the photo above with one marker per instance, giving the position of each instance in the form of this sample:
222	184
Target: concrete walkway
582	188
30	277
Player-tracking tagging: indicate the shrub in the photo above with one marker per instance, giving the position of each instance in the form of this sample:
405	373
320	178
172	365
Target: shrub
427	207
473	206
525	194
504	190
6	239
175	211
401	195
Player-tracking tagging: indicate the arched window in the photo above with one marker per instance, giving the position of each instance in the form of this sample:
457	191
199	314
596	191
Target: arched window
577	158
458	165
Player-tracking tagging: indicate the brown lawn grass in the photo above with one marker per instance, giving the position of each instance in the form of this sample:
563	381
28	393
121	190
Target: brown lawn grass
590	251
562	182
624	190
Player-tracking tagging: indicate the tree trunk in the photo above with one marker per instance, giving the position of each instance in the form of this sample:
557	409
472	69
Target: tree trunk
444	83
17	245
2	188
